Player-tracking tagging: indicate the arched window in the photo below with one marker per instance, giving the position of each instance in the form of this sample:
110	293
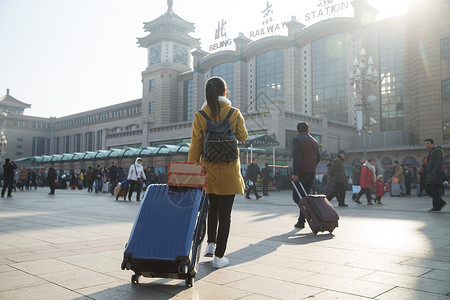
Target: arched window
386	162
410	161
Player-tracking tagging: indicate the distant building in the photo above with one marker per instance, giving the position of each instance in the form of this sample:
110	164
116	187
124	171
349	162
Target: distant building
276	81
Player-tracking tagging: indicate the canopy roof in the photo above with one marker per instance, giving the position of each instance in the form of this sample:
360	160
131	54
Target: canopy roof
260	140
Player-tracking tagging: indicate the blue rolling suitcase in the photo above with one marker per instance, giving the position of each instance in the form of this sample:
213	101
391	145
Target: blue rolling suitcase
167	234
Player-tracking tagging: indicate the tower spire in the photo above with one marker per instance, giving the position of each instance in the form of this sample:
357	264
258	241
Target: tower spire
169	6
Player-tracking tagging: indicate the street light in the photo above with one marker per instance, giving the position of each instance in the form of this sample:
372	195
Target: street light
3	143
362	78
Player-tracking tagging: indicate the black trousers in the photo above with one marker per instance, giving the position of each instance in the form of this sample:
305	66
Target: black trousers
435	191
219	221
307	181
133	185
265	187
365	191
338	192
51	184
7	184
253	188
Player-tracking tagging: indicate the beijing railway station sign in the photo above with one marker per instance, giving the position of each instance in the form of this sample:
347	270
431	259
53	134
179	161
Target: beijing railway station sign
268	26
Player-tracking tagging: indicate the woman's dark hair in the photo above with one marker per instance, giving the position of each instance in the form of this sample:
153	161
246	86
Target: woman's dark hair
215	87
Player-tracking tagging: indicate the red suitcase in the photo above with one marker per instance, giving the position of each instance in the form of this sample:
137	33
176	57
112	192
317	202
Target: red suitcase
317	210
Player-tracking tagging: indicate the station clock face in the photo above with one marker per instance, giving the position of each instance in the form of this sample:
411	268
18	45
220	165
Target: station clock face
155	55
179	55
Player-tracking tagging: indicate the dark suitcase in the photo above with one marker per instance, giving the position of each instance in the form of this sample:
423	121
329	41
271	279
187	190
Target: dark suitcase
317	210
395	190
167	234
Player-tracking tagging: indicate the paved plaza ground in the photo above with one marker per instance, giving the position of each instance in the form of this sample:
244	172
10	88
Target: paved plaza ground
70	246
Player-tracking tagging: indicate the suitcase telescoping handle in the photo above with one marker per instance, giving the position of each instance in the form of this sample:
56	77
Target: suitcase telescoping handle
298	192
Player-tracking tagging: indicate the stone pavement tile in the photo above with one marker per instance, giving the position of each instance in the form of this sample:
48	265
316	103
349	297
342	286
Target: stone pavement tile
18	279
4	247
402	293
333	269
50	238
18	241
120	290
327	295
346	285
274	271
438	275
94	262
43	266
116	253
275	288
280	260
411	282
78	279
31	256
200	290
5	268
428	263
221	276
46	291
379	265
257	297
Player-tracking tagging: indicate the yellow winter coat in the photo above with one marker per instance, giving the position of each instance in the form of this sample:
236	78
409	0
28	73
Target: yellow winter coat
223	178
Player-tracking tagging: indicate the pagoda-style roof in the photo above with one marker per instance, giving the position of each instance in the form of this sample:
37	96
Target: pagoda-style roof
10	101
168	26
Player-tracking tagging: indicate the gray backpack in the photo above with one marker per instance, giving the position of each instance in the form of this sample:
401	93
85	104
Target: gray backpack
220	143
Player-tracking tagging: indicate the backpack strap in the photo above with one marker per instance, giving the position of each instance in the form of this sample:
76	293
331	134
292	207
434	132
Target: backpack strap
204	115
229	113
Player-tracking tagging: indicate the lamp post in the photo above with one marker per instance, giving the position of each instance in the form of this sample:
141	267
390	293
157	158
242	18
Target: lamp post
3	143
362	78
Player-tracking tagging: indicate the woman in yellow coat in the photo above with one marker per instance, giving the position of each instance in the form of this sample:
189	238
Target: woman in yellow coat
224	178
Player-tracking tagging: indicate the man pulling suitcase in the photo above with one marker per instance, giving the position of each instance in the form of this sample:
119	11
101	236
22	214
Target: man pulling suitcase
305	151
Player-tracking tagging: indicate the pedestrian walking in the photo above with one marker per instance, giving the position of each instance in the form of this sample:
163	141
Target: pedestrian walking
356	174
251	176
379	189
266	179
306	157
113	177
435	175
136	177
51	177
367	179
224	178
8	177
338	178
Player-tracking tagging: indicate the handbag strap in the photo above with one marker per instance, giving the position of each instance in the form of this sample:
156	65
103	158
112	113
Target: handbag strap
135	169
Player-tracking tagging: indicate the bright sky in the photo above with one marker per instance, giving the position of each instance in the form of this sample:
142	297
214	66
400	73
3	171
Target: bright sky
70	56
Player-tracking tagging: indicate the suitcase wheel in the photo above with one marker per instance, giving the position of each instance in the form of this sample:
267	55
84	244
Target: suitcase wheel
189	281
135	278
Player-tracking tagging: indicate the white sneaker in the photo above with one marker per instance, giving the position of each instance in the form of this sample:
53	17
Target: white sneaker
209	251
220	262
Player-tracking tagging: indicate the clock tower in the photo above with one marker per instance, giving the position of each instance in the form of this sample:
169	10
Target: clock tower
169	48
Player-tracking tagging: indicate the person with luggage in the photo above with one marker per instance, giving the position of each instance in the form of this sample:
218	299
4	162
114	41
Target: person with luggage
338	178
8	177
136	177
113	173
435	175
224	178
266	179
398	173
356	174
252	175
379	189
368	177
51	177
306	157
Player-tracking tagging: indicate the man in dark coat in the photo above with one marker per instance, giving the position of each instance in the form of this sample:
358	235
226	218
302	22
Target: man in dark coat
51	177
8	177
306	157
266	179
339	179
251	177
113	177
435	175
